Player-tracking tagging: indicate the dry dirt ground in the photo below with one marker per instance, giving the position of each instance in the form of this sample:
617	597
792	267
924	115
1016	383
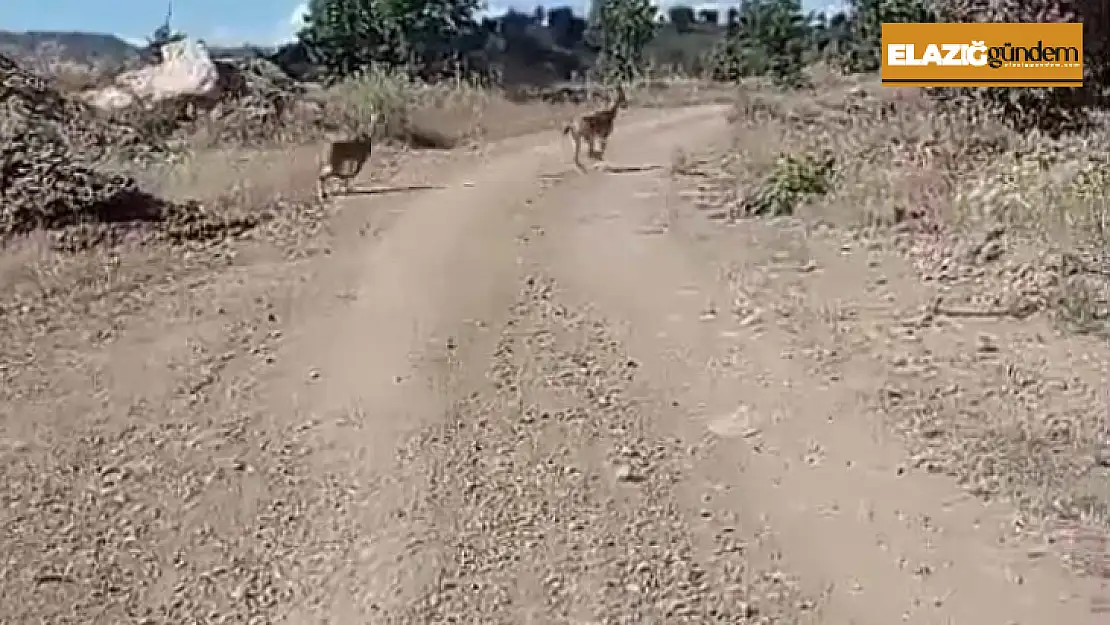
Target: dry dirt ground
534	396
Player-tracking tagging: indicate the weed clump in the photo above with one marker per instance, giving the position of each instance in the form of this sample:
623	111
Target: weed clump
793	179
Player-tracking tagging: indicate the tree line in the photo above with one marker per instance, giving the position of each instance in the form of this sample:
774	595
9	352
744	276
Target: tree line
617	39
620	39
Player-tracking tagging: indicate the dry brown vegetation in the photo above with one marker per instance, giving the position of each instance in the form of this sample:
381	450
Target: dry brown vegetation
1009	230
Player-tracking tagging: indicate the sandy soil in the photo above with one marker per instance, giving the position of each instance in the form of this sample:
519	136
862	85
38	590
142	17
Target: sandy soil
533	396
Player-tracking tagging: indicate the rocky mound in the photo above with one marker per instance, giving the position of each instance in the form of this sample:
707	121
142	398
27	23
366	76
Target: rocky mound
24	94
260	99
240	100
49	178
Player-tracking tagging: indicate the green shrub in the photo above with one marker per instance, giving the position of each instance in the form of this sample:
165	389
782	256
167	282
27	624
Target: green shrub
792	181
771	38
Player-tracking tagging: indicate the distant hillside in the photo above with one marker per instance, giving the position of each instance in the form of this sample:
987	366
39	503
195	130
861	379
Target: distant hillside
94	48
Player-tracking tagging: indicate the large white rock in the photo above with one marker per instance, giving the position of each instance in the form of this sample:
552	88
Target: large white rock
186	70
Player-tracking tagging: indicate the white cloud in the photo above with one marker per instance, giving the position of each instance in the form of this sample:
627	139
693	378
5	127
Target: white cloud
832	8
284	31
293	23
297	17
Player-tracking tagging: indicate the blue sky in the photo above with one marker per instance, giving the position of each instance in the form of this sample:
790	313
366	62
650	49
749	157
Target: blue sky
220	22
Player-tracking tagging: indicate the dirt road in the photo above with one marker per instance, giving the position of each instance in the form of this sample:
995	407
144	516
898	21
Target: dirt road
533	397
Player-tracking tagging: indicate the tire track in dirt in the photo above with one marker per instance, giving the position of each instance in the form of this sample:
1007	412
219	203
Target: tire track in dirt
413	335
553	493
197	470
519	406
770	355
556	480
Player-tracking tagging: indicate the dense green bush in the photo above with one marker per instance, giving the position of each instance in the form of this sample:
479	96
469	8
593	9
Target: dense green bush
769	38
620	30
1049	110
347	36
793	180
863	49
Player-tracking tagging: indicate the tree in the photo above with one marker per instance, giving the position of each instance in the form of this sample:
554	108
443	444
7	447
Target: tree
161	36
777	32
620	30
566	29
770	39
682	17
1050	111
346	36
514	23
864	53
732	20
830	33
433	29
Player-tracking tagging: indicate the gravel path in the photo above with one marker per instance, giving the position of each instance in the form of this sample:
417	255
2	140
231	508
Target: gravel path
534	397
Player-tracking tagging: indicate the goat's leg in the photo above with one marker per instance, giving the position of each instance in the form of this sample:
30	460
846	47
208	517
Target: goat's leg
603	143
591	148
